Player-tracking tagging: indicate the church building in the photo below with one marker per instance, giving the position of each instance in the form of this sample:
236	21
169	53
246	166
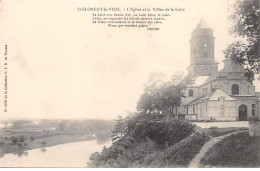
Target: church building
223	95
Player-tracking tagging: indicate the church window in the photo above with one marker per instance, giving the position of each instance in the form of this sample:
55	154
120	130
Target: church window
205	48
205	91
190	93
235	89
253	109
193	108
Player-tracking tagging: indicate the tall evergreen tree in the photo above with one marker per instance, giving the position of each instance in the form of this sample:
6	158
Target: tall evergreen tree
120	129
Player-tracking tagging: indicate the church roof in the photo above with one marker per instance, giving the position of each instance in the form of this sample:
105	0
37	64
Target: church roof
193	101
215	96
200	80
220	94
202	24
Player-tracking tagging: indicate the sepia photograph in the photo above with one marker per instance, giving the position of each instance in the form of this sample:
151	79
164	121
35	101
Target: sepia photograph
129	84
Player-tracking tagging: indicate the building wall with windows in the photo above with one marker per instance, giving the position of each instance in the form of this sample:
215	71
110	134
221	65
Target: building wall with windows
212	94
222	110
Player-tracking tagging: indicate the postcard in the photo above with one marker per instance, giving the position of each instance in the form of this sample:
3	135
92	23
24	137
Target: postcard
129	83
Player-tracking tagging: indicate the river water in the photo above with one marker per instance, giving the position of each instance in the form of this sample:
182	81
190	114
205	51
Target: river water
64	155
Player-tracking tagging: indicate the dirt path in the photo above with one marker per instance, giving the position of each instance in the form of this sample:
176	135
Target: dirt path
195	162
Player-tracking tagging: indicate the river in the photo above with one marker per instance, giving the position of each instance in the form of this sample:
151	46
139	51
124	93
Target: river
74	154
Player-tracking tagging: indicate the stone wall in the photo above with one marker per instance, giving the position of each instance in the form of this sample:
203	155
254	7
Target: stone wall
254	127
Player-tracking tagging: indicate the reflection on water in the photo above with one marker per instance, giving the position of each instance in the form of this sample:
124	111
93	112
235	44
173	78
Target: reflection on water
64	155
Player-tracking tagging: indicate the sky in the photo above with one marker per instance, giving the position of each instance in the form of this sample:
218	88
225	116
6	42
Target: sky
60	65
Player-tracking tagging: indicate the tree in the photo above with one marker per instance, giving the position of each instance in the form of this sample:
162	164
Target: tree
162	96
245	24
43	144
15	140
120	129
21	124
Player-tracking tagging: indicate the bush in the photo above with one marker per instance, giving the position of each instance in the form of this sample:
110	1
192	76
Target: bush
145	154
32	138
213	127
94	156
152	144
183	152
15	140
179	154
20	144
43	143
22	139
2	143
162	133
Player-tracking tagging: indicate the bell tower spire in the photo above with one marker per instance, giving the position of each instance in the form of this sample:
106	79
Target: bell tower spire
202	60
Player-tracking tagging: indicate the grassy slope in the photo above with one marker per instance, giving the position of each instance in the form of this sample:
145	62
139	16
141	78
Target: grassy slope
180	154
239	150
147	154
216	132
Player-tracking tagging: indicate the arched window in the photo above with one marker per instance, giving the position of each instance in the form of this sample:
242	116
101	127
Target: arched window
190	93
205	48
235	89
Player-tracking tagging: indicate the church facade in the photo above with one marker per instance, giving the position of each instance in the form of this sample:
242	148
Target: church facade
223	95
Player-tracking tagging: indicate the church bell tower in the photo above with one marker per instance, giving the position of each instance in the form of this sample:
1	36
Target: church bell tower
202	61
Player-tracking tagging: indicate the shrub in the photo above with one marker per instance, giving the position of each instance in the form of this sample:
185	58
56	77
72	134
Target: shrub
94	156
213	127
2	143
183	152
43	143
32	138
161	133
20	144
21	138
152	144
15	140
143	117
179	154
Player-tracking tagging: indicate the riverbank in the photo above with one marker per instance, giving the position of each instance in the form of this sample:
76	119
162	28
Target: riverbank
50	141
158	144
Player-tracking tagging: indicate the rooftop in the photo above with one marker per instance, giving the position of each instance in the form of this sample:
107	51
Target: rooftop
200	80
220	94
202	24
